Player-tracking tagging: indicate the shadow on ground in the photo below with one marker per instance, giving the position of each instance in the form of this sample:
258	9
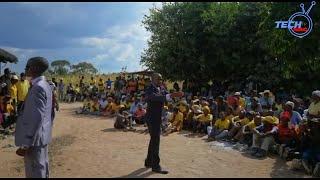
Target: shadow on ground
139	173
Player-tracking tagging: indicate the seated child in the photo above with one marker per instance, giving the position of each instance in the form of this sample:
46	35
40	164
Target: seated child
176	122
138	116
263	136
287	137
204	120
244	136
166	115
8	113
237	123
86	106
220	129
95	106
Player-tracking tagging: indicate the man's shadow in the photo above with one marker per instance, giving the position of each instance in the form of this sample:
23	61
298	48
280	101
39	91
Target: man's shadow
139	173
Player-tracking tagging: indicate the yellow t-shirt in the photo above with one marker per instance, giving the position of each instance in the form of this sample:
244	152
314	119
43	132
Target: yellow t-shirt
230	117
93	82
242	102
94	106
100	86
10	109
178	121
251	125
203	118
141	84
222	125
14	92
22	88
114	107
77	90
127	104
314	109
243	121
86	104
182	108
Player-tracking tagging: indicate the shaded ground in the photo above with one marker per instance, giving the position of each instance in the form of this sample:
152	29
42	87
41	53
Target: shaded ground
88	146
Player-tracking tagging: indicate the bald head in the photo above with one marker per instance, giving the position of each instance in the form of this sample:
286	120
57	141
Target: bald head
156	78
36	66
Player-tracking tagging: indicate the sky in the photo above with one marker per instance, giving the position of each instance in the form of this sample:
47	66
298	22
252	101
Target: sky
109	35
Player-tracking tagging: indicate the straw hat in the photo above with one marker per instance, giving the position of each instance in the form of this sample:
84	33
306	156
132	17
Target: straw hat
206	109
15	77
271	120
196	109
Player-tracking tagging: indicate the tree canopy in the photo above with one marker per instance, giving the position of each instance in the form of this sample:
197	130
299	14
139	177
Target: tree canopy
233	41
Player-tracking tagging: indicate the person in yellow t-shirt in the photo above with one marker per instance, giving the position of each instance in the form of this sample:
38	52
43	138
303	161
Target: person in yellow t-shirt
94	108
93	82
314	108
183	108
22	89
220	129
14	91
245	134
141	84
237	123
101	86
204	120
86	105
176	122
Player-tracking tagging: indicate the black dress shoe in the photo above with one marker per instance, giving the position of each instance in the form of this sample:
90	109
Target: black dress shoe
159	170
147	166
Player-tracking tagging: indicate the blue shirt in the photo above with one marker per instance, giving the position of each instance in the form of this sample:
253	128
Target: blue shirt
295	118
134	107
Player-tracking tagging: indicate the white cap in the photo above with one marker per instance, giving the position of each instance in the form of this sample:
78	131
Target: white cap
289	103
237	93
316	93
15	77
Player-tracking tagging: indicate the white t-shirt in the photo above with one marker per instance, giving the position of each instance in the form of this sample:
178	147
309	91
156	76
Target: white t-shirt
103	103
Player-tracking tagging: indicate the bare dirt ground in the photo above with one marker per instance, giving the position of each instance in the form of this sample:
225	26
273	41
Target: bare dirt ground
89	146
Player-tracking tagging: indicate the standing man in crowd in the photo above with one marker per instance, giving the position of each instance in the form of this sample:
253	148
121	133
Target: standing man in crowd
23	88
155	97
34	124
61	90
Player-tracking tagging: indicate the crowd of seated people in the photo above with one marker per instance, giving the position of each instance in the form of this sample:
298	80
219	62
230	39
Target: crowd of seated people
261	122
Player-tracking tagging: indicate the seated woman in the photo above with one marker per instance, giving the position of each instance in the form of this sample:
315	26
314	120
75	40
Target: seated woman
220	129
86	106
263	136
237	123
244	136
122	119
204	120
194	122
176	122
187	123
287	137
95	106
112	107
7	112
166	115
310	147
138	116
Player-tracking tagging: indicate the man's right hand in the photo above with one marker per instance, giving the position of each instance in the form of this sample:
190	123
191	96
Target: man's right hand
21	152
177	94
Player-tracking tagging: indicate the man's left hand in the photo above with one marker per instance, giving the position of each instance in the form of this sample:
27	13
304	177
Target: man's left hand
22	151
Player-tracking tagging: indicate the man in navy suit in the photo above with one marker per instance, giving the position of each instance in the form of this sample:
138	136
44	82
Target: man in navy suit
34	123
156	95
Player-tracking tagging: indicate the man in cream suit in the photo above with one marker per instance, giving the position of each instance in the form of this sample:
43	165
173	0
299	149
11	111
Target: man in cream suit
34	123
